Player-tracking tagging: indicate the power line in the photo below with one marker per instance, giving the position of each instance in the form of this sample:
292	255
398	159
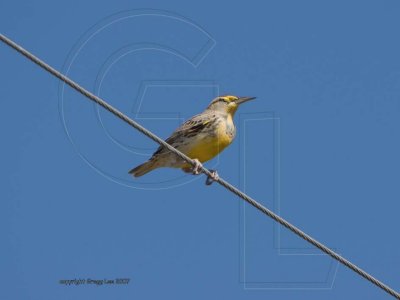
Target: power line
222	182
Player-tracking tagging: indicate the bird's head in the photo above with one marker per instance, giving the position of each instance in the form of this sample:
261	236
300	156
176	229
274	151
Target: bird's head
228	104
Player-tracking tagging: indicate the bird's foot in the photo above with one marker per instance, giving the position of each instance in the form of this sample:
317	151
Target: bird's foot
196	170
214	177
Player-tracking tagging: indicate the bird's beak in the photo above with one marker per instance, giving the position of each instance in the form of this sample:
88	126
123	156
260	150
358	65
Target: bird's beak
241	100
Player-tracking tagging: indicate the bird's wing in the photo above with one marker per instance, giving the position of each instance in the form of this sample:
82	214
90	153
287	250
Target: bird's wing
189	128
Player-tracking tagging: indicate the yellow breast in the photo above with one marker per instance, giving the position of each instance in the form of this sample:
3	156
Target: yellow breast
208	146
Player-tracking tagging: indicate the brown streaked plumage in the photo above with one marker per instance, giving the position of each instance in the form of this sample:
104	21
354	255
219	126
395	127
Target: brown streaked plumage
202	137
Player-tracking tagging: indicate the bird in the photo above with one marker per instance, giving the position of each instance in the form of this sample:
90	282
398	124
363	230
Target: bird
201	138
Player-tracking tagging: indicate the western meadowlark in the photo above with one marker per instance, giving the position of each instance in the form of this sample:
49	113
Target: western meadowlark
201	138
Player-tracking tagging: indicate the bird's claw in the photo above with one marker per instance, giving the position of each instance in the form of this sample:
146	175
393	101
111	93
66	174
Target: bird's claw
197	167
214	177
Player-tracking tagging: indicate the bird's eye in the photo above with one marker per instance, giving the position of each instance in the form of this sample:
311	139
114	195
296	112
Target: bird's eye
222	99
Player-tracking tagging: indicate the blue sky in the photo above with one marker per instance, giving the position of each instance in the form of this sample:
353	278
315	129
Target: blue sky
319	146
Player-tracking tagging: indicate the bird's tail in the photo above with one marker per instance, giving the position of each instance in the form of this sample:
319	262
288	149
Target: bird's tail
144	168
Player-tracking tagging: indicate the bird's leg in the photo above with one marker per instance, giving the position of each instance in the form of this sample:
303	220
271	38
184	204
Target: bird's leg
214	176
196	169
